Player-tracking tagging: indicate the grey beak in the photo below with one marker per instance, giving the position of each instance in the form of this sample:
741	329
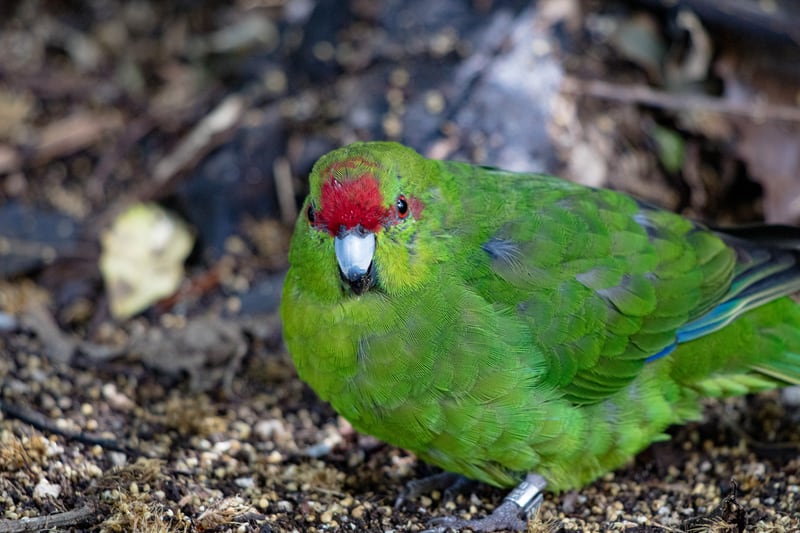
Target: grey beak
354	253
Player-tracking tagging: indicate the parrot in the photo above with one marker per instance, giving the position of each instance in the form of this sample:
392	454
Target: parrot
519	329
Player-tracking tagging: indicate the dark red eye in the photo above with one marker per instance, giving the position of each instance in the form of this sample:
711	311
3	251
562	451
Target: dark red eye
311	214
402	206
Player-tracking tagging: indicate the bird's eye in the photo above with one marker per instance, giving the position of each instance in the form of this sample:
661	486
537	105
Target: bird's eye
311	214
402	206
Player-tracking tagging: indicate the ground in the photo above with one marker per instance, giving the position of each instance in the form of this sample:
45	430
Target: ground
187	415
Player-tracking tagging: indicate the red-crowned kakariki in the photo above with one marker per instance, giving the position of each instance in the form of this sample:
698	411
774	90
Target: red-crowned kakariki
499	324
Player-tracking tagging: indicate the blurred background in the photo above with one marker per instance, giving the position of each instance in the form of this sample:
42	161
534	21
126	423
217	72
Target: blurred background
152	159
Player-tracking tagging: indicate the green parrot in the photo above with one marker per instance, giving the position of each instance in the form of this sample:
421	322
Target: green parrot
519	329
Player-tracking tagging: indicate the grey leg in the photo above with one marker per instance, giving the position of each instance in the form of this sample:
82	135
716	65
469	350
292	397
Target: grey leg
513	513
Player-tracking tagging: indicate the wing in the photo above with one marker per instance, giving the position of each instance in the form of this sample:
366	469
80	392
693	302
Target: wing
605	283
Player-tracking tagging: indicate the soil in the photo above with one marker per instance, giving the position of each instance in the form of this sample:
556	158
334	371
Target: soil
188	415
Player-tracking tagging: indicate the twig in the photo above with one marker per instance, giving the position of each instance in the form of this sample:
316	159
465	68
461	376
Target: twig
62	137
74	133
37	421
210	132
215	128
666	528
51	521
285	188
757	111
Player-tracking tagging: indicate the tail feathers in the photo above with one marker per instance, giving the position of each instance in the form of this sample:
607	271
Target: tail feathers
782	247
783	372
785	368
760	348
769	359
767	267
764	235
722	385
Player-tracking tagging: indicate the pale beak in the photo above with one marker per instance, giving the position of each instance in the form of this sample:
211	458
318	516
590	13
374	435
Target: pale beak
354	253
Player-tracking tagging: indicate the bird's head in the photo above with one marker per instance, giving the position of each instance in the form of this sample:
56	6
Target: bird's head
365	208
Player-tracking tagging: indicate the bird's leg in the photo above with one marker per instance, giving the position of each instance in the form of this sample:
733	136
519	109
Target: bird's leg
512	514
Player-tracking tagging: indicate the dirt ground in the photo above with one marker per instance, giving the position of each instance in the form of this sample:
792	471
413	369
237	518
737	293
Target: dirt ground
187	414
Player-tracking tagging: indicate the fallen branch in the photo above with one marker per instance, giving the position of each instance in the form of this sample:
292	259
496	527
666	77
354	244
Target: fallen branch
62	137
39	422
758	111
51	521
285	188
209	133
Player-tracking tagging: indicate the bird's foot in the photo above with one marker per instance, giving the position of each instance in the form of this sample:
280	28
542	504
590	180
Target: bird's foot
450	484
512	514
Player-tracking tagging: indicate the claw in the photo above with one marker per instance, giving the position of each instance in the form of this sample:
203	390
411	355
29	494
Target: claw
513	513
442	481
506	516
461	485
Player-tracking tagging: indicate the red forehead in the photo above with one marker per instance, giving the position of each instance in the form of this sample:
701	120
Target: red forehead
352	202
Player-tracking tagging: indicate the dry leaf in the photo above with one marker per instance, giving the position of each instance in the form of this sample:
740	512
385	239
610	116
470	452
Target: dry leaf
142	258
